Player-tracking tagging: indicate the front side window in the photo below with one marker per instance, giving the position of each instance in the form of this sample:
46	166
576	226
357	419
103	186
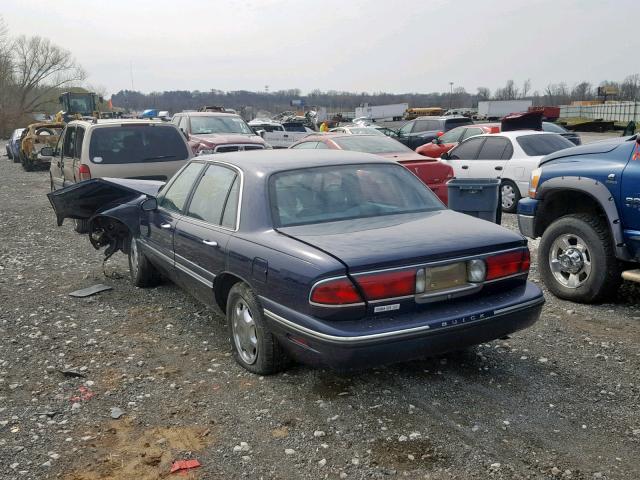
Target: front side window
210	196
452	136
333	193
176	195
203	125
537	145
467	150
137	144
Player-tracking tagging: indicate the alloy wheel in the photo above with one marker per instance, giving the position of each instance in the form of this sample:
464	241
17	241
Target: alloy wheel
570	260
244	332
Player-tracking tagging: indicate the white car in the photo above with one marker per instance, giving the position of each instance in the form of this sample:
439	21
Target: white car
510	156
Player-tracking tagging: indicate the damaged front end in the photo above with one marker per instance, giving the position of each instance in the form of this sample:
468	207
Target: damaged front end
110	205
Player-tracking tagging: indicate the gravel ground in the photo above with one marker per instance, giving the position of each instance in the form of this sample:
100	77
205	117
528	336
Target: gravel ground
559	400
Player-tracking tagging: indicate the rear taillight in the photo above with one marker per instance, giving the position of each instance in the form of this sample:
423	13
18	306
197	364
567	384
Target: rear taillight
83	172
337	291
376	286
507	264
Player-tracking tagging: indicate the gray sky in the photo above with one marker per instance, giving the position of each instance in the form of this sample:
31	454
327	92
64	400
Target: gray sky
355	45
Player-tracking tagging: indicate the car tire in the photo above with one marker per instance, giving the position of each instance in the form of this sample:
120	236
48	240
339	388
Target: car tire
509	196
254	347
81	226
143	273
17	158
584	242
27	164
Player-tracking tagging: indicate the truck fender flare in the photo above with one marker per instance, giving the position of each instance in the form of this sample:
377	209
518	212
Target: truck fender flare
601	194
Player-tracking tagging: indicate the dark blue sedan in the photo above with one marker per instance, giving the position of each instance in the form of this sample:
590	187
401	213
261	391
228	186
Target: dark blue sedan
333	258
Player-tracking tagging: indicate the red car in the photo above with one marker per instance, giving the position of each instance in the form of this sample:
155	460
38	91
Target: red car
432	172
446	141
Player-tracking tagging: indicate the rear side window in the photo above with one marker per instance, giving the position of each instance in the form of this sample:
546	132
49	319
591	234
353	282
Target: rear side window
457	122
210	196
493	148
136	143
79	141
68	147
536	145
306	145
471	132
231	208
426	125
176	195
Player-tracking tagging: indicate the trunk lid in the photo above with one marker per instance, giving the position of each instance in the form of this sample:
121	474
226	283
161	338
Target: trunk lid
406	239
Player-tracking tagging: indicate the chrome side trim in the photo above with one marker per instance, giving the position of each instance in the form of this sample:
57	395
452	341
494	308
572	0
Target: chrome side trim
396	333
194	275
166	258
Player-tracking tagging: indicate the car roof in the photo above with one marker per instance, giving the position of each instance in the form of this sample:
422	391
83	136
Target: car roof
207	114
515	133
265	162
443	117
117	122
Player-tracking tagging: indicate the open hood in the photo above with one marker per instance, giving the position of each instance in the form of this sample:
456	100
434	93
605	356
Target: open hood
82	200
522	121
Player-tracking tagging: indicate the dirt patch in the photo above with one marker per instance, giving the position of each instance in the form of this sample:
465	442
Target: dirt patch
123	451
409	454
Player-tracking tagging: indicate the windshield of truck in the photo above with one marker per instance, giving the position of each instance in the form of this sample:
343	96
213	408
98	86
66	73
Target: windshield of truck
333	193
82	104
201	125
379	144
537	145
137	143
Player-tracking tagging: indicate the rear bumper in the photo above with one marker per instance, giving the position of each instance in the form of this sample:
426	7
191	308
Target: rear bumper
377	341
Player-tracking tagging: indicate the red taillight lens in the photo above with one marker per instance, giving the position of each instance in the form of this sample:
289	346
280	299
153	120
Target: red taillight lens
507	264
377	286
83	172
340	291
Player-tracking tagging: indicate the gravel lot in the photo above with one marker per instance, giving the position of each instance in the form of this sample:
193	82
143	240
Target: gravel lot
559	400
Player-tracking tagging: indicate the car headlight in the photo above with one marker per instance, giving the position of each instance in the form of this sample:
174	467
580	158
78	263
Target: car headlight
476	271
533	183
206	151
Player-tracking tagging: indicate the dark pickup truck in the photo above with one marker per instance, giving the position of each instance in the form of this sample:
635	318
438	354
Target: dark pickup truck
585	204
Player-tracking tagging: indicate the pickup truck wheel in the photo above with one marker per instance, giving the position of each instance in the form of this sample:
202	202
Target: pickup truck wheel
143	274
254	347
510	196
577	260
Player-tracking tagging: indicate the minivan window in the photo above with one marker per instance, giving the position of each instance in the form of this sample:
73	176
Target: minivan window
537	145
210	196
69	142
329	194
136	143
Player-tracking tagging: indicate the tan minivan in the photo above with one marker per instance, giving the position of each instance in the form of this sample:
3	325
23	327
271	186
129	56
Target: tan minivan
139	149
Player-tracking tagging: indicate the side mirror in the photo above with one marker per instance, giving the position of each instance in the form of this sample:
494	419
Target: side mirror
445	156
47	152
261	133
149	205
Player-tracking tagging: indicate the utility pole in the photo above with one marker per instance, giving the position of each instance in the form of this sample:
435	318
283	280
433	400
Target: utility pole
450	94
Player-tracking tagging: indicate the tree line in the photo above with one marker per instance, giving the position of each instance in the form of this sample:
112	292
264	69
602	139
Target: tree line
253	103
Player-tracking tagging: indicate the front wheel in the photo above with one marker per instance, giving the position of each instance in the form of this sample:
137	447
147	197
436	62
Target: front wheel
254	347
143	274
577	261
80	226
510	196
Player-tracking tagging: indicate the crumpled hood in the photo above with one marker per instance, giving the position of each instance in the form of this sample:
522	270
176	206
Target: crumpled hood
227	138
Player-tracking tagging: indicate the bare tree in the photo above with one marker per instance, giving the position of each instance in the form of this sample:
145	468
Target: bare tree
509	92
630	87
526	86
483	94
582	91
40	69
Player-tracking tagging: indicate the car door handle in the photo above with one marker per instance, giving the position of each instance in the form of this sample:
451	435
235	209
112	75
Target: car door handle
498	168
211	243
465	167
165	225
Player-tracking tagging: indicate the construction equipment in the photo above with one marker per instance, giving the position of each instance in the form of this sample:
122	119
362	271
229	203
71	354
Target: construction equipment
78	106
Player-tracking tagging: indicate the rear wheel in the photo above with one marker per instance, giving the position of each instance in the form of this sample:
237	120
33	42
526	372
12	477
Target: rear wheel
510	196
27	164
577	261
143	274
254	347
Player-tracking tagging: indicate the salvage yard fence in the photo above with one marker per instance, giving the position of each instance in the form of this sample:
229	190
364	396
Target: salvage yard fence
622	112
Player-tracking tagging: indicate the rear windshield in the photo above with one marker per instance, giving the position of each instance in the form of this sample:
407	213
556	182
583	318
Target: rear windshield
552	127
203	125
332	193
137	143
371	144
536	145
